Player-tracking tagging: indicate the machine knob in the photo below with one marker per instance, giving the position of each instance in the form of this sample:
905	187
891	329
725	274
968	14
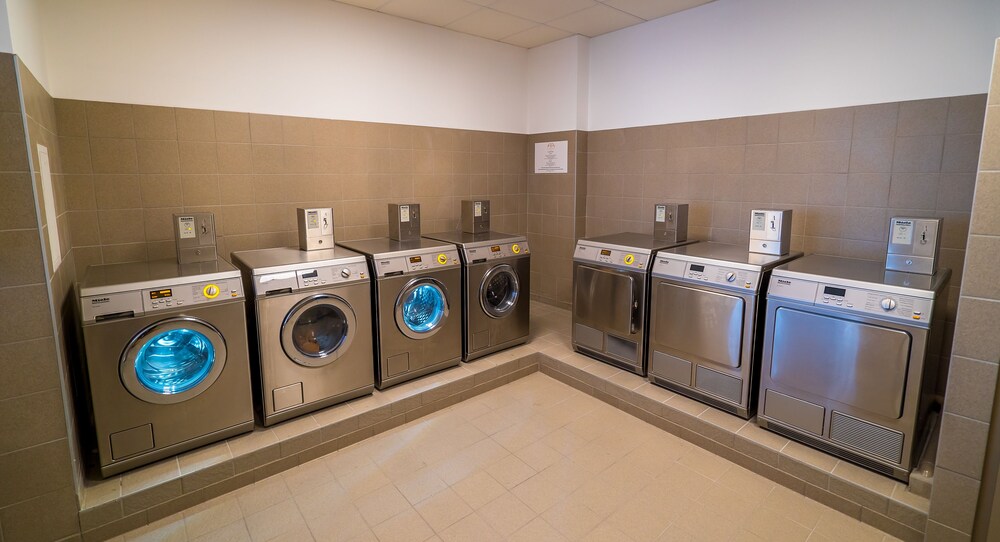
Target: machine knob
888	304
730	276
211	291
345	272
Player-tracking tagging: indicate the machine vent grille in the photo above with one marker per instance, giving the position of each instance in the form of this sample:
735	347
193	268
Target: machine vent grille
703	397
622	348
719	384
868	437
833	450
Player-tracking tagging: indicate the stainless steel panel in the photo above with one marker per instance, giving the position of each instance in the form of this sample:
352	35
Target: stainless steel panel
706	325
716	383
588	337
132	441
287	396
623	348
868	437
490	331
854	363
606	299
671	368
795	412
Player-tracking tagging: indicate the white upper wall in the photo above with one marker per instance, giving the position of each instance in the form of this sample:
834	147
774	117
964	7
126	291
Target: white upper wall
733	58
557	86
311	58
5	44
26	36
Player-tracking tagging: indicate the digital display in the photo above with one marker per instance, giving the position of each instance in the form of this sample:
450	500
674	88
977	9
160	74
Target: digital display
698	268
415	259
159	294
311	274
495	248
839	292
605	252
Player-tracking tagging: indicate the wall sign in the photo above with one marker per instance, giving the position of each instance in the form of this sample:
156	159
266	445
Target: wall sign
49	206
551	157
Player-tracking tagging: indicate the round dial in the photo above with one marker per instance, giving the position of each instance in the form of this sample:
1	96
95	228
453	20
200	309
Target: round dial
210	291
730	276
515	248
442	259
888	304
629	259
345	272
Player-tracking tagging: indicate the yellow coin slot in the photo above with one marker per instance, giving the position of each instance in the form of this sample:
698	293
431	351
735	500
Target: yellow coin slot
629	259
211	291
442	259
515	248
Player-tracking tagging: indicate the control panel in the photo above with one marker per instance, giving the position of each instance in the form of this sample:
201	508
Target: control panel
857	300
496	252
311	277
702	273
913	245
139	302
416	263
612	257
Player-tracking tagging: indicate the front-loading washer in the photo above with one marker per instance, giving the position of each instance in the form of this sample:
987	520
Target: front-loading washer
310	329
166	358
496	289
418	308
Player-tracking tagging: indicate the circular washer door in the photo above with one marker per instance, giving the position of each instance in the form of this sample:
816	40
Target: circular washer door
499	291
421	308
318	330
173	360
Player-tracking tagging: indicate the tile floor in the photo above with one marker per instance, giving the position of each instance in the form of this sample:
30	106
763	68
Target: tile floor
533	460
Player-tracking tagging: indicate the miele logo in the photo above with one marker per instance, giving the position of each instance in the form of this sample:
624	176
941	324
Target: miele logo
99	300
384	262
784	282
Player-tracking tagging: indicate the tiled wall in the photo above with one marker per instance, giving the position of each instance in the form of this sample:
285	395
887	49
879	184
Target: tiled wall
556	211
976	351
843	172
38	499
129	168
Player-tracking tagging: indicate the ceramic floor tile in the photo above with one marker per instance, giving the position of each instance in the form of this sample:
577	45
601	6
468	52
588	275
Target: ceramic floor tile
344	523
769	525
234	532
281	519
443	509
510	471
537	530
322	500
170	528
382	504
211	515
262	495
477	489
406	527
539	456
420	484
573	520
606	533
506	514
539	493
471	527
838	526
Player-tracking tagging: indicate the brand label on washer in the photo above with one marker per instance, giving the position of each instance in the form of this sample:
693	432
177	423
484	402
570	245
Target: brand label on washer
661	213
185	225
404	213
479	209
902	232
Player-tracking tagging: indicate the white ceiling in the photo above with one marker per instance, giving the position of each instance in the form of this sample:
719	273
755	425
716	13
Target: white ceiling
529	23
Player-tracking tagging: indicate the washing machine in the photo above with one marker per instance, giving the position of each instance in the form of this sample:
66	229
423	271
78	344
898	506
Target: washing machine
496	290
705	322
310	329
166	358
850	358
610	296
417	305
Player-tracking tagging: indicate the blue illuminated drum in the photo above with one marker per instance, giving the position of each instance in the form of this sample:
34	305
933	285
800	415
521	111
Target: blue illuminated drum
421	308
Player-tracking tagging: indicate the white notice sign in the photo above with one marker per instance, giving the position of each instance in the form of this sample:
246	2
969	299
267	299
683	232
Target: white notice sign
551	157
49	206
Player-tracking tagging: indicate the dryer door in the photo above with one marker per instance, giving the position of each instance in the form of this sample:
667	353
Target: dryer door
173	360
499	291
318	330
421	308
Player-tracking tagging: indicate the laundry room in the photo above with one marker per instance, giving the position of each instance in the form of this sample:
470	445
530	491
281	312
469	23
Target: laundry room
499	269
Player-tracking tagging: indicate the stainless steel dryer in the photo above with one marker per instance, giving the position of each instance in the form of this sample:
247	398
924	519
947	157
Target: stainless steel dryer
166	358
610	293
310	328
496	289
418	306
706	314
850	358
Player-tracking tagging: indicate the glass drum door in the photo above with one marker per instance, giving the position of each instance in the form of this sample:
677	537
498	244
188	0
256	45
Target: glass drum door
173	360
499	291
318	330
421	308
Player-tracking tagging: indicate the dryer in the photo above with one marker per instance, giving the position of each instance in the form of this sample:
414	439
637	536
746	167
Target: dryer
706	319
166	358
496	290
310	328
417	305
610	297
850	358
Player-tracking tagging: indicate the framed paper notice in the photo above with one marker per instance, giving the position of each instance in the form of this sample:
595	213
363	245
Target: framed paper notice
551	157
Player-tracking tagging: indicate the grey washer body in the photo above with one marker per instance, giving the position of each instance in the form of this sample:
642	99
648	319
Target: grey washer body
850	359
399	267
706	322
611	297
134	426
492	261
310	329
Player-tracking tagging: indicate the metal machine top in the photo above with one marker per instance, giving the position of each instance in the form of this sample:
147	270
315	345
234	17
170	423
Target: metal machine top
383	247
867	274
122	277
736	256
276	260
630	241
391	258
469	240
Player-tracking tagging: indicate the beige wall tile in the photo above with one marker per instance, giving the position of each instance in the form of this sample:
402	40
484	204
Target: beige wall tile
17	206
30	420
922	117
875	121
266	129
30	367
12	153
961	153
953	500
75	154
966	114
152	122
160	190
962	445
32	321
232	127
71	118
127	252
113	156
974	337
22	261
158	156
51	516
195	124
117	191
159	223
109	120
121	226
198	157
34	471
